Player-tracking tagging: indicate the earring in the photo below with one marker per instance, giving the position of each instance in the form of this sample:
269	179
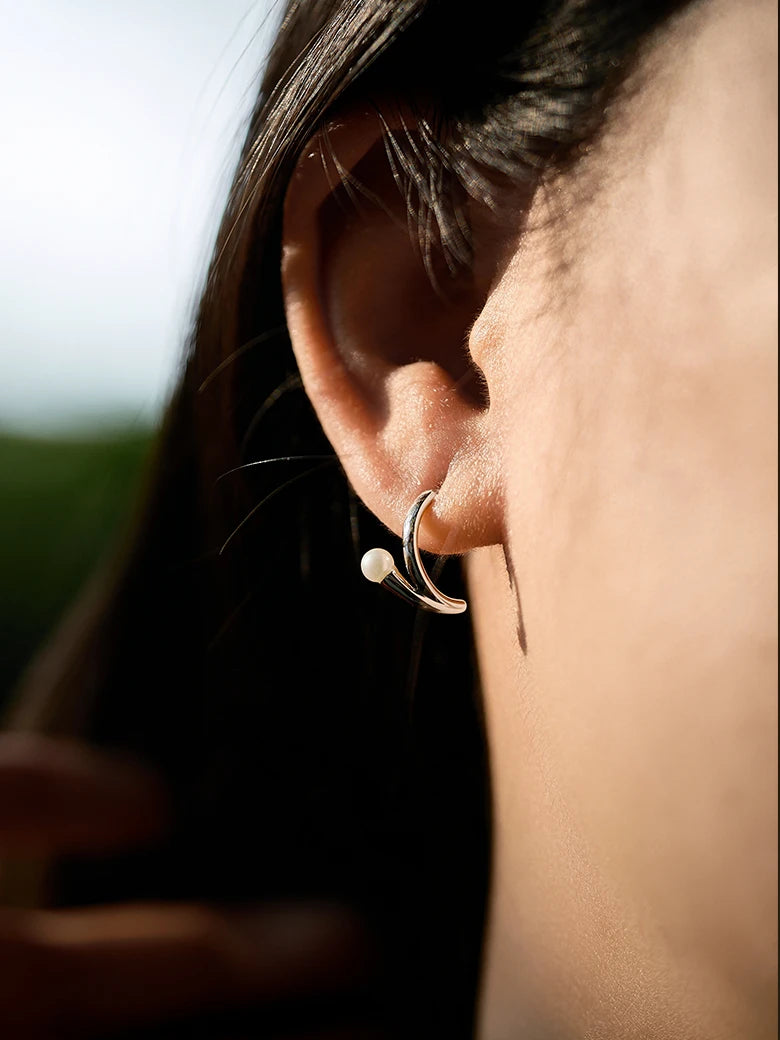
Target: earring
378	565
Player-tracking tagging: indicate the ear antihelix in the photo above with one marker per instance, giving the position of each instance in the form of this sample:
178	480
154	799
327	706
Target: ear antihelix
378	566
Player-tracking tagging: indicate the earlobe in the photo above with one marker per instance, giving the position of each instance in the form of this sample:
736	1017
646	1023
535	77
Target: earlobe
383	352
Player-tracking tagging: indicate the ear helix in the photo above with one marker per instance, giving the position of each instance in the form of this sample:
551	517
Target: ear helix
378	565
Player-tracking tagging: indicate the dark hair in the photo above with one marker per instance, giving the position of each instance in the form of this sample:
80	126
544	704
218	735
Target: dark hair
320	739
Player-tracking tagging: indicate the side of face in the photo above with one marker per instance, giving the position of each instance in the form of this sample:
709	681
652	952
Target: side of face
613	482
630	350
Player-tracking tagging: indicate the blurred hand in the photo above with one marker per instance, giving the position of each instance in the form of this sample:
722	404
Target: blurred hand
102	969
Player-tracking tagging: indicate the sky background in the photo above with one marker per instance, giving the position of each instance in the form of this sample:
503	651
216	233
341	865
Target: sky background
121	122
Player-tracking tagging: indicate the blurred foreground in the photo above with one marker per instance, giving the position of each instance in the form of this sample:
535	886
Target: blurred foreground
62	501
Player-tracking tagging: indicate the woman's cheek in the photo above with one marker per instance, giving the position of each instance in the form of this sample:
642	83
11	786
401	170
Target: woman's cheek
643	548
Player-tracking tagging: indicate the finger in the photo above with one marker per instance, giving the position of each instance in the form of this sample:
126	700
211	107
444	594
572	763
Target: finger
65	797
100	969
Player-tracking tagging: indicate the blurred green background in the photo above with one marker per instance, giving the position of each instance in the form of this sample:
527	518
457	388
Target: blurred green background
103	255
64	499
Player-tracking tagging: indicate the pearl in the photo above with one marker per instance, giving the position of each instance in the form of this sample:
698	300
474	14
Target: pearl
377	564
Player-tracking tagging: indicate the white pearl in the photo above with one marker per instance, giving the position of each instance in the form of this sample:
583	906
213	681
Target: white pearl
377	564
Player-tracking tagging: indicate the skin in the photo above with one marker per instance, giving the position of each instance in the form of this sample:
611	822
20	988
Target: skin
604	451
617	502
634	746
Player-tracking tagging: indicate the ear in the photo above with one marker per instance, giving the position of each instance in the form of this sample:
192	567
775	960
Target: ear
382	351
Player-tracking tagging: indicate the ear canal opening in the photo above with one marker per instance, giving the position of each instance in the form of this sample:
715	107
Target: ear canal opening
473	386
